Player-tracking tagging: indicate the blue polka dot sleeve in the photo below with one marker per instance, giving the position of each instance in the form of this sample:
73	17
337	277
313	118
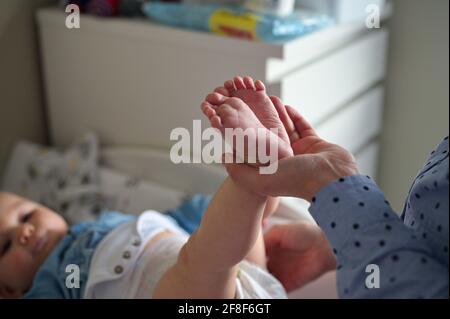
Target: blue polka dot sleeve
382	255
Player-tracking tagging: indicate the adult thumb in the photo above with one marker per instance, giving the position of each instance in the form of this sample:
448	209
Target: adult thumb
273	237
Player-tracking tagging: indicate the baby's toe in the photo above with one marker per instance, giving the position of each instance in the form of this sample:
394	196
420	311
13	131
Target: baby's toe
207	109
260	86
249	83
216	98
223	91
203	106
239	83
229	85
216	122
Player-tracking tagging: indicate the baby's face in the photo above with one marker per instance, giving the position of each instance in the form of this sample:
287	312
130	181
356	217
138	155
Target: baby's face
28	234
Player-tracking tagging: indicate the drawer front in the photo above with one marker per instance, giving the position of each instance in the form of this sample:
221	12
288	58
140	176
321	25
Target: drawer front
319	89
367	160
357	123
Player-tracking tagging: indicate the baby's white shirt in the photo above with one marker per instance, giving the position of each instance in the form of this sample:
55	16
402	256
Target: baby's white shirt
122	269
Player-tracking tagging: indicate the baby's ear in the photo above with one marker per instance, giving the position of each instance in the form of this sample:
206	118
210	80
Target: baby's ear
8	293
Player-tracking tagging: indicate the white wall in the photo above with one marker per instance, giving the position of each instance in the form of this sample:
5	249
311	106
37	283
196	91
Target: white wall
21	100
417	105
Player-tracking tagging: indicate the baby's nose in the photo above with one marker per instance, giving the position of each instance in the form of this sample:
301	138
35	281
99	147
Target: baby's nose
25	234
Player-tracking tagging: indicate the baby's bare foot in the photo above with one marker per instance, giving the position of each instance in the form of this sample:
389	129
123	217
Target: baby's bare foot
235	114
255	96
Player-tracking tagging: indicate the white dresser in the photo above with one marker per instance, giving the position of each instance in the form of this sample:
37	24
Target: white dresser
133	81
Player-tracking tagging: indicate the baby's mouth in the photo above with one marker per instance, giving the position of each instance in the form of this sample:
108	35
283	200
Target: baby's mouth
39	245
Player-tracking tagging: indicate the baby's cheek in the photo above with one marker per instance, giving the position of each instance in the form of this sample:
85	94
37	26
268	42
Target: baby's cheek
21	266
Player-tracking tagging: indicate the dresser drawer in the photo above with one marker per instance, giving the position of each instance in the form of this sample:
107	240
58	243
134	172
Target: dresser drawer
357	123
322	87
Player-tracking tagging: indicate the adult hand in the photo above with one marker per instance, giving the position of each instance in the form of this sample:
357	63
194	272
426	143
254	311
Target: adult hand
298	254
315	163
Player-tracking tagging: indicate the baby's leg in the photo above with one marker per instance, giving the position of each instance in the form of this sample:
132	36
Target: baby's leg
207	264
257	254
234	113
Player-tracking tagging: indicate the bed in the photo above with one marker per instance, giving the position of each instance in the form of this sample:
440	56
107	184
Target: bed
130	180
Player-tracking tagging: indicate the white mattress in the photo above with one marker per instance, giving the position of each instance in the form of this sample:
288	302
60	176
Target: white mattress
131	195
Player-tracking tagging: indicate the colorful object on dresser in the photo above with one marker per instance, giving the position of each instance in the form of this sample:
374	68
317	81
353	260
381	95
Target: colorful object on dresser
230	19
105	8
236	22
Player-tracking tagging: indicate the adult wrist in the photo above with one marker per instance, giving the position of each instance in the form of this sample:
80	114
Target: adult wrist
329	172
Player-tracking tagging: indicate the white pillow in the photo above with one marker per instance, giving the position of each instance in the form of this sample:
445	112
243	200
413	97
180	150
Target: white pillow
66	181
72	184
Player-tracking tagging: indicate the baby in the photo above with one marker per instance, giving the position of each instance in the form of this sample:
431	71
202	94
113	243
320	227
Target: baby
119	256
28	234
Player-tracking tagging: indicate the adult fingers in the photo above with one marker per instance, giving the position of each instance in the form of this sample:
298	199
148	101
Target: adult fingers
301	124
285	119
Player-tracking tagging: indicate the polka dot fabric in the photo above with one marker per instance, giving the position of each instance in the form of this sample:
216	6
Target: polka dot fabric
411	252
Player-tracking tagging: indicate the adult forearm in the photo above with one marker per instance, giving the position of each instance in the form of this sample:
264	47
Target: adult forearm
366	234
